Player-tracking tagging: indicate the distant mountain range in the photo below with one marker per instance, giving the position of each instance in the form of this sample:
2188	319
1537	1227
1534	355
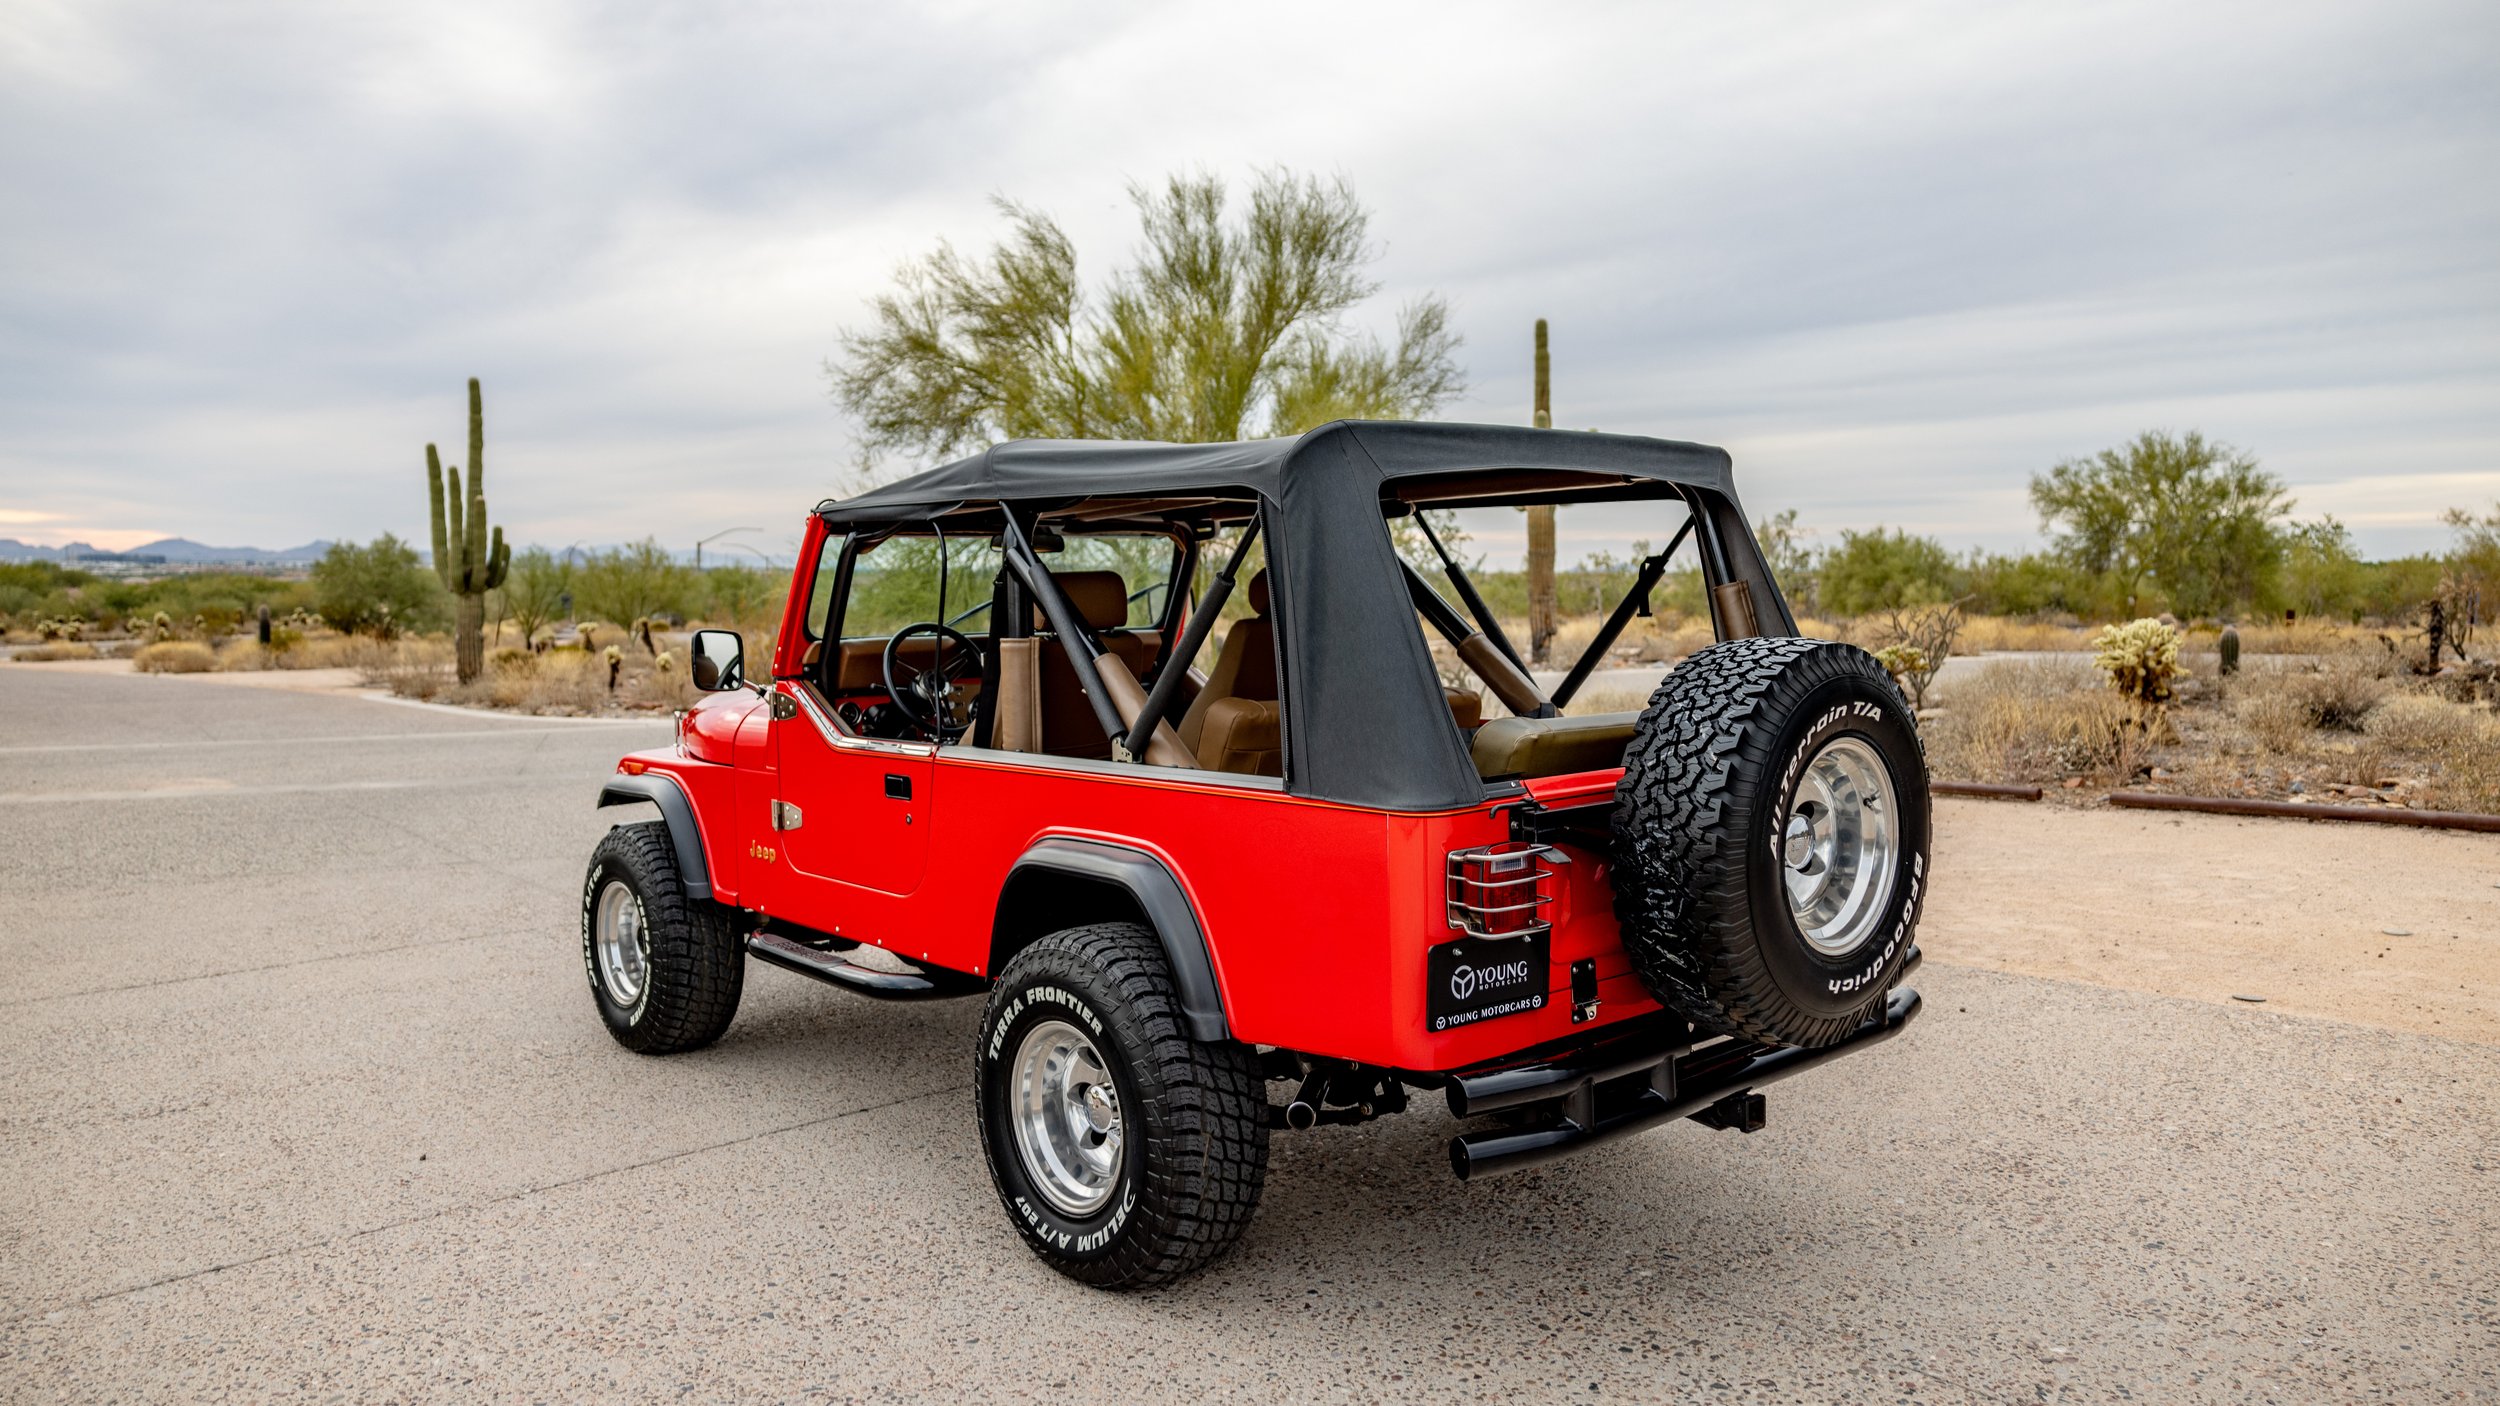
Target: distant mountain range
169	549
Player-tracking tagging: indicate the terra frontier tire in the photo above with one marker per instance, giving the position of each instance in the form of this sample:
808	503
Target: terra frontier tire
1771	836
1127	1153
665	969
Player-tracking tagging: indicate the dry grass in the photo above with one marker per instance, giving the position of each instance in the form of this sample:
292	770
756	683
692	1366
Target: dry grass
1652	640
2034	721
175	657
1984	634
2344	727
55	652
303	652
560	682
2299	637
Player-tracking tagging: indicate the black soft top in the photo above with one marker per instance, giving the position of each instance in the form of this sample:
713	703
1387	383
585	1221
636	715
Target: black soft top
1364	719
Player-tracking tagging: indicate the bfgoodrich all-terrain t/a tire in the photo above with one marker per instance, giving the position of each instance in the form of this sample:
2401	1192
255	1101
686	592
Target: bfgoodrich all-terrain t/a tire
665	969
1127	1153
1771	837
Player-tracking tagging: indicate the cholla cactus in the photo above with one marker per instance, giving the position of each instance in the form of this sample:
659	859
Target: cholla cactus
616	665
1905	662
665	661
2140	659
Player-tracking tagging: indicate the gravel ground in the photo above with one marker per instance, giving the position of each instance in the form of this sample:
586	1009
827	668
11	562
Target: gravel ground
304	1101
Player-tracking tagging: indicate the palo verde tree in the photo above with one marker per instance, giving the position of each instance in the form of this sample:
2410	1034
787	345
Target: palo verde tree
2199	518
463	557
1229	325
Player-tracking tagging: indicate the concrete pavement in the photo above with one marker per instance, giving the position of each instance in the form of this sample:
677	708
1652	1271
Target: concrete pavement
304	1100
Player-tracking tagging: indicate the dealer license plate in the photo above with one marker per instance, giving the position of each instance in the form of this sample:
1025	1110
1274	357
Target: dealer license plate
1479	978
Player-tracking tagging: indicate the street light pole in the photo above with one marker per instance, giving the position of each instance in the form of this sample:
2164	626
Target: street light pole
698	546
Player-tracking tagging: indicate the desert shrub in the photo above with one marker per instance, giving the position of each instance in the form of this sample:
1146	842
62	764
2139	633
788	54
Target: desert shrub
410	668
2140	659
2031	720
2419	725
2274	718
56	651
175	657
2339	694
245	656
2469	770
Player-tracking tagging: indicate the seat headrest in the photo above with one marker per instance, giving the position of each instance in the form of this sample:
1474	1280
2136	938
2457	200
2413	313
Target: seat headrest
1258	592
1100	597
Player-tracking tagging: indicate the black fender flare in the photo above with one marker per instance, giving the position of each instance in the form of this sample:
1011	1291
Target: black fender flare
1158	895
684	835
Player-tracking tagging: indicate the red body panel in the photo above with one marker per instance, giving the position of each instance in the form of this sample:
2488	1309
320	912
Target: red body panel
1318	916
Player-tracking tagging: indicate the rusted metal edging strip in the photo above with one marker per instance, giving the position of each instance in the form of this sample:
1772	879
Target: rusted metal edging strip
2368	815
1984	788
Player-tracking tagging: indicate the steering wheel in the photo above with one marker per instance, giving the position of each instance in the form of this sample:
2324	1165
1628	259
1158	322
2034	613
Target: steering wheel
930	697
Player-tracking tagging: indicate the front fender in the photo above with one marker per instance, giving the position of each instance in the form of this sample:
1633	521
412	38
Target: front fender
684	835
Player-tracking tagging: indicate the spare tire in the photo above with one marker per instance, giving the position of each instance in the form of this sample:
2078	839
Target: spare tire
1771	836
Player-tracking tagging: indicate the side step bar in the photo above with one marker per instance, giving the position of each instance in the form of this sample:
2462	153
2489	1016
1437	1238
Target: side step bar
929	983
1615	1098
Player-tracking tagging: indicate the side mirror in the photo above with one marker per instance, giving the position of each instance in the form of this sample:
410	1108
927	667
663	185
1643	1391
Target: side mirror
719	660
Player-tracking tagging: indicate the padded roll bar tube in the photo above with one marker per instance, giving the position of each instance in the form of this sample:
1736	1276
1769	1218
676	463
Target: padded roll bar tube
1731	600
1176	667
1509	682
1079	642
1634	600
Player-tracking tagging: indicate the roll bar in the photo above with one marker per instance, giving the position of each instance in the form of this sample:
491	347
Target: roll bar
1074	637
1201	624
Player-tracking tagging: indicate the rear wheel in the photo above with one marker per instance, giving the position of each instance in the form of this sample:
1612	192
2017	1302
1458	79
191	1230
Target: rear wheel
1127	1153
1771	839
665	969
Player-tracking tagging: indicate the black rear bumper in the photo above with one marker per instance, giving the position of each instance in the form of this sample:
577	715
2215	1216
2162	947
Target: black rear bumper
1615	1088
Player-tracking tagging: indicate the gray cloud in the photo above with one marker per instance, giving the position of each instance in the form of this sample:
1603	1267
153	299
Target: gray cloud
1894	260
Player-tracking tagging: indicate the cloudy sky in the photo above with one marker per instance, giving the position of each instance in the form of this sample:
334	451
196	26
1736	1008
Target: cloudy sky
1895	257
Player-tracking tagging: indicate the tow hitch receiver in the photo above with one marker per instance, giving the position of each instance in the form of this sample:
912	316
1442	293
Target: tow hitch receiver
1617	1088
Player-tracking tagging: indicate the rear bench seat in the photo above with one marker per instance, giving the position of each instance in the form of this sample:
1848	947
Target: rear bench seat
1526	747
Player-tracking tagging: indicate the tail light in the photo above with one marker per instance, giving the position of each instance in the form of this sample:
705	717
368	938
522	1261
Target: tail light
1499	890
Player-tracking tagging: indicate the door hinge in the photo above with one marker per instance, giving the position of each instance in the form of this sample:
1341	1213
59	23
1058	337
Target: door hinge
785	816
784	707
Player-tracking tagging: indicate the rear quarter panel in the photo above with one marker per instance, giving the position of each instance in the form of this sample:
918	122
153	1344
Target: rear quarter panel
1318	916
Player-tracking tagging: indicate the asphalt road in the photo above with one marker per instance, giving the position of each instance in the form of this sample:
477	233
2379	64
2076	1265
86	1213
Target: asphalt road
304	1100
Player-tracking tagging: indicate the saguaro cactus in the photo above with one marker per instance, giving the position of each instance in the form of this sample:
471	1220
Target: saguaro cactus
1541	523
463	556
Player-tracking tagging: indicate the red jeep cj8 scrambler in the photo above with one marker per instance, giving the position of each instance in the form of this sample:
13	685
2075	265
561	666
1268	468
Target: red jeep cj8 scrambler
988	757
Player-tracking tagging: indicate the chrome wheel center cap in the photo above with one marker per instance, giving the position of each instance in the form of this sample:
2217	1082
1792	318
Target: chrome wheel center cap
1102	1108
1800	843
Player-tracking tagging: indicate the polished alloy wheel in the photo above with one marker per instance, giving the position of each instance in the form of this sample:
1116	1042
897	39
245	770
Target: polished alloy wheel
1066	1111
1840	847
623	944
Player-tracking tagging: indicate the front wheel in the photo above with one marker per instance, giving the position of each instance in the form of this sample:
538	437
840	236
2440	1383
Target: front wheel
1127	1153
665	968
